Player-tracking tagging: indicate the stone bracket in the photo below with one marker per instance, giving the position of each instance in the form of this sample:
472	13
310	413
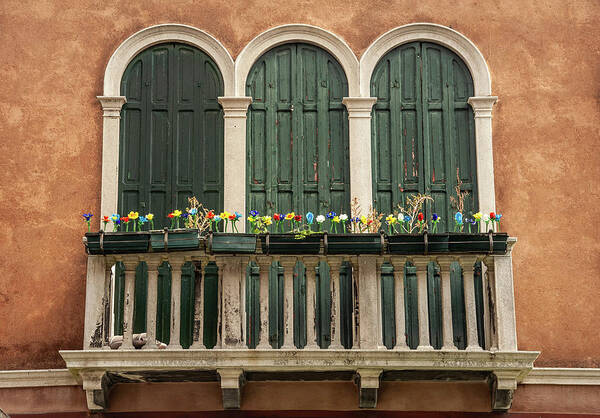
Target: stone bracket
368	385
97	386
232	381
503	384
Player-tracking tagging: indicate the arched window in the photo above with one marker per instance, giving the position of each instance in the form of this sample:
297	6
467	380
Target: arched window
423	132
171	136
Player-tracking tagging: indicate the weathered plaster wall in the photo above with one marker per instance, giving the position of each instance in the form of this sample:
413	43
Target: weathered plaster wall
545	64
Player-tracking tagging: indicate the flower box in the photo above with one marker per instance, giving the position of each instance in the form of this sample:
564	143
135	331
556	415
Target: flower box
231	243
353	243
116	242
493	243
174	239
418	243
289	244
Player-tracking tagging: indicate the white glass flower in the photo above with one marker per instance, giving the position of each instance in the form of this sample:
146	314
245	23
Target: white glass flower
343	217
320	219
485	217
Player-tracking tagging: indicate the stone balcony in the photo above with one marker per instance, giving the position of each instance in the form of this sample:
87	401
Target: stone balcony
367	343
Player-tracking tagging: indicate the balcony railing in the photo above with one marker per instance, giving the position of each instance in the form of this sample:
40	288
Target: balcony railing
369	326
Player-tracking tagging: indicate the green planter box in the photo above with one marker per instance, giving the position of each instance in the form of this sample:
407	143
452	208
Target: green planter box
288	244
353	243
231	243
116	242
174	239
478	243
418	243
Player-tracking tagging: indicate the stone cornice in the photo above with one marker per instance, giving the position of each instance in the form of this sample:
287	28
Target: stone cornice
36	378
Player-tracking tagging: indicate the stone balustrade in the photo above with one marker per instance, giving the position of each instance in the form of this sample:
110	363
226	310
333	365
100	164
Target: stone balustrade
490	343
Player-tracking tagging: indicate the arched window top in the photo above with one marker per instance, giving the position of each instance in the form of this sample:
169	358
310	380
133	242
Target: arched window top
153	35
326	40
442	35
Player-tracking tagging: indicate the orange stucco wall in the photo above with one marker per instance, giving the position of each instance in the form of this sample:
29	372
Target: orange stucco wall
544	61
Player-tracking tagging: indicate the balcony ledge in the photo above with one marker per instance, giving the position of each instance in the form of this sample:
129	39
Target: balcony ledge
96	369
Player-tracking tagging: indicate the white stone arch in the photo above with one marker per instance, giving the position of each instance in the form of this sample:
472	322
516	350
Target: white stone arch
430	32
153	35
279	35
481	103
112	101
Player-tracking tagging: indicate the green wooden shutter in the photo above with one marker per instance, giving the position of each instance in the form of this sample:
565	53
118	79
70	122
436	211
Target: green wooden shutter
297	132
422	128
210	303
171	144
252	305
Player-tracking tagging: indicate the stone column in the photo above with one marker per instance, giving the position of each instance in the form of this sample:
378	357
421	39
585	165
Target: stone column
231	306
130	263
504	299
334	286
176	263
152	262
234	180
447	329
379	301
264	264
311	299
398	263
482	107
95	326
359	132
421	264
288	264
220	269
111	107
467	264
367	297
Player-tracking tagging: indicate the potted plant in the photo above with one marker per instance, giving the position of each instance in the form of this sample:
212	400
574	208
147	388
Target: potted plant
116	242
300	239
365	236
228	242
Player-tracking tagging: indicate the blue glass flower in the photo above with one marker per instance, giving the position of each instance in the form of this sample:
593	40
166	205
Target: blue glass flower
407	218
434	217
193	211
217	218
184	215
254	213
458	217
87	216
310	218
331	215
238	215
356	219
498	216
142	220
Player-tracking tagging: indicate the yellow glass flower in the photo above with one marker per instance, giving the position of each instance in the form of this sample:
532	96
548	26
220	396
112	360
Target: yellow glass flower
290	216
267	220
224	215
391	219
364	219
177	212
150	216
477	216
133	215
250	218
336	219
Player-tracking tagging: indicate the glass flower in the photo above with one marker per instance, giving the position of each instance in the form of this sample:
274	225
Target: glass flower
310	218
254	213
343	217
320	219
87	216
331	215
150	216
435	217
177	213
458	217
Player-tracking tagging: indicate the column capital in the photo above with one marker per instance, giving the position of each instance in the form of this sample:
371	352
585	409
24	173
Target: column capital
288	262
359	107
264	261
420	263
111	105
235	107
444	262
310	262
482	105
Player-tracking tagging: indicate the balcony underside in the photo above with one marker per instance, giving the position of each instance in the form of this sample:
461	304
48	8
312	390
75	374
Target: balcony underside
100	369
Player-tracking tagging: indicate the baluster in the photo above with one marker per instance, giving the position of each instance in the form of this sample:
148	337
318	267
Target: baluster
198	334
107	305
130	263
398	263
491	292
447	326
367	295
311	279
264	264
421	264
288	264
334	285
379	302
176	263
467	265
152	262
